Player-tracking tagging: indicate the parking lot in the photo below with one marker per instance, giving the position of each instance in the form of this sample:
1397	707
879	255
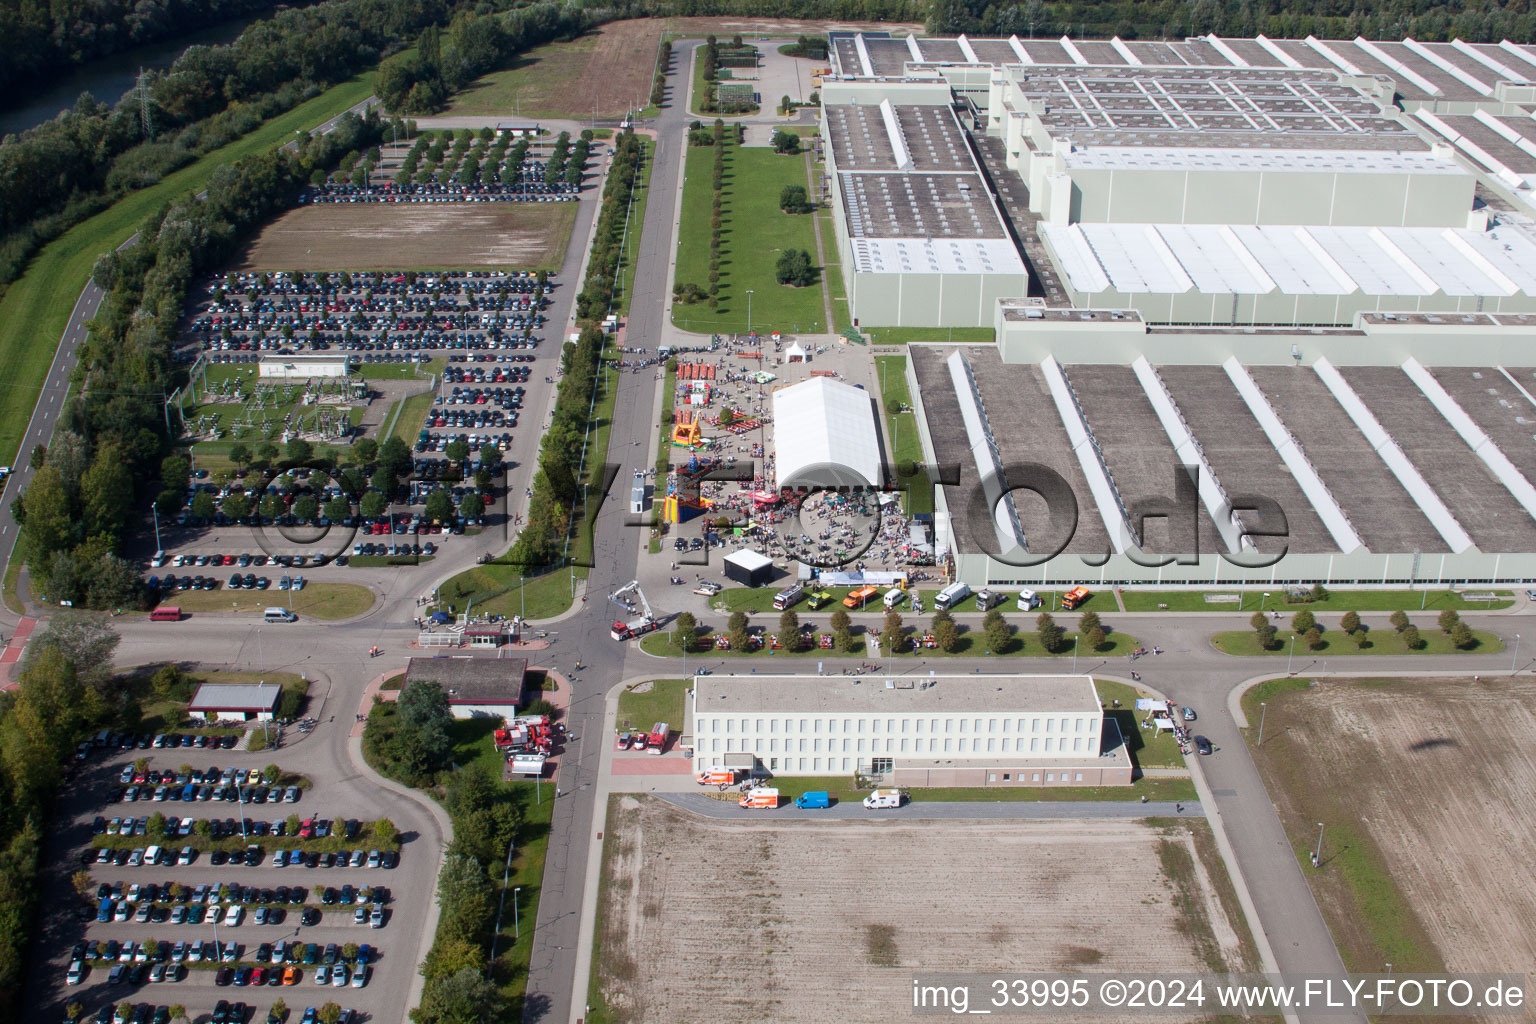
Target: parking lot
229	881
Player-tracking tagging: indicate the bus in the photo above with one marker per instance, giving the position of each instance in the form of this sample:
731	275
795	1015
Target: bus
165	613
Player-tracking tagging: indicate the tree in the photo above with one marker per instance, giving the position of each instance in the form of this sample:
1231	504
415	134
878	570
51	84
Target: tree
736	631
383	480
891	637
795	268
299	450
1052	636
1461	636
202	506
305	508
1448	620
1411	639
464	997
372	506
1257	620
239	454
266	453
1303	621
792	199
1313	638
329	1013
471	505
156	824
786	142
85	885
349	951
271	507
463	897
365	450
395	454
1399	620
457	451
840	619
727	416
685	626
440	505
995	628
106	492
1266	637
237	506
1088	622
337	508
789	631
450	955
1349	622
1094	638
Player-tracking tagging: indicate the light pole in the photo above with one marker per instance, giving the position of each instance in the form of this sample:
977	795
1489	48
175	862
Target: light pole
156	513
1513	660
749	311
1075	638
506	873
1288	657
1264	602
1318	856
1263	708
517	931
260	658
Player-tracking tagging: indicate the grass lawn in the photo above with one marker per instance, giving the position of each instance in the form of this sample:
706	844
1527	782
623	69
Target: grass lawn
1337	601
702	90
753	234
317	600
498	589
902	431
539	84
843	791
664	702
631	255
597	452
409	418
1149	747
1244	643
905	335
400	371
36	308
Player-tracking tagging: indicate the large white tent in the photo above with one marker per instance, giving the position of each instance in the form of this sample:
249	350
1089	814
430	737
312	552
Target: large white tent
824	435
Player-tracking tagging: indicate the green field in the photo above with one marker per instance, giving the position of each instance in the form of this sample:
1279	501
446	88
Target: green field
316	600
1337	601
662	703
400	371
1150	747
500	590
754	232
539	84
703	88
903	437
631	257
36	308
411	415
1245	644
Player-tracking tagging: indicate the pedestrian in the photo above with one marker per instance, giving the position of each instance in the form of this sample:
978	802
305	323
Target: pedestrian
1178	808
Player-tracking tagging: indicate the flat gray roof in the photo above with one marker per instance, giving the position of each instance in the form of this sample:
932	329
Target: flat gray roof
235	697
471	680
918	205
907	695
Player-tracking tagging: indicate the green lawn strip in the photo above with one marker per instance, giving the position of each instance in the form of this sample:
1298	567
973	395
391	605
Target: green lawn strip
319	600
1245	643
364	840
12	575
401	371
907	335
472	746
36	308
911	470
1337	601
663	702
1371	921
411	415
631	257
842	790
972	644
1150	748
499	589
597	451
828	229
754	232
393	682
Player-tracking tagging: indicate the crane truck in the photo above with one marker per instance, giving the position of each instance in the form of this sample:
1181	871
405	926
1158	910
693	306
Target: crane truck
642	623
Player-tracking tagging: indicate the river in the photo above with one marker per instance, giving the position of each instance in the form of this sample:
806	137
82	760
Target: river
109	77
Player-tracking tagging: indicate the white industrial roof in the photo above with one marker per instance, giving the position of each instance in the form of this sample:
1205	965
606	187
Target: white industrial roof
1176	258
824	435
235	697
936	256
1169	158
749	560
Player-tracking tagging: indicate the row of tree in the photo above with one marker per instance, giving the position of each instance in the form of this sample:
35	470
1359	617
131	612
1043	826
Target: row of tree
55	175
691	291
659	80
476	41
996	631
64	690
79	508
596	298
1310	632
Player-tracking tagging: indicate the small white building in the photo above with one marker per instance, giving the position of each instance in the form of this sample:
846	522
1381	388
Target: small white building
249	702
999	730
304	366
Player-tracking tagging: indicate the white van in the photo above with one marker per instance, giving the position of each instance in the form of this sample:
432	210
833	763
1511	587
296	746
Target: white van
280	615
894	597
1028	600
158	560
152	856
882	799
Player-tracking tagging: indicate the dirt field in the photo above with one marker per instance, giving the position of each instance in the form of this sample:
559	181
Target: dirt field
520	236
1428	794
610	68
784	920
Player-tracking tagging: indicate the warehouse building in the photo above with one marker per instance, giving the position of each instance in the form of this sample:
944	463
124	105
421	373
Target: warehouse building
824	435
1278	317
1001	730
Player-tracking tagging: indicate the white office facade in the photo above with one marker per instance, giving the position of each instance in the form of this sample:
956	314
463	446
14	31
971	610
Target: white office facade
948	730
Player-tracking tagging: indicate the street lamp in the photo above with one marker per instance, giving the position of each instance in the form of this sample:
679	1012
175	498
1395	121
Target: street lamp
1288	657
1513	660
517	931
1318	856
1263	708
749	310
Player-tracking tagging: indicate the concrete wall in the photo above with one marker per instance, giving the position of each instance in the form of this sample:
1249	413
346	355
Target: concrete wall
482	710
927	300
